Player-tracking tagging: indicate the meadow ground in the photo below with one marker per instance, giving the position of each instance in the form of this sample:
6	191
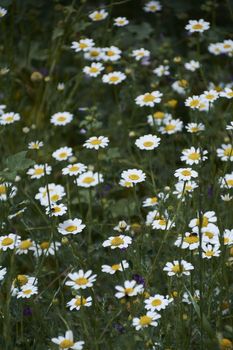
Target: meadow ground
116	175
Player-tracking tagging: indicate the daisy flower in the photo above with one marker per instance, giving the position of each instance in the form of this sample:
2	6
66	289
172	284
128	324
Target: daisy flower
228	237
122	226
184	188
9	118
67	342
226	181
120	241
194	128
161	71
79	301
98	15
62	153
208	251
149	99
94	69
152	6
157	302
113	78
89	179
39	170
96	142
81	279
82	45
162	224
148	142
229	126
7	190
210	96
193	102
179	87
3	12
189	241
199	26
35	145
227	93
94	54
171	126
74	169
61	118
185	174
56	210
10	241
2	272
150	202
71	227
111	53
225	152
51	193
210	234
193	156
120	21
27	291
146	320
133	175
114	268
209	217
125	183
140	53
178	268
157	118
192	65
25	246
46	248
130	289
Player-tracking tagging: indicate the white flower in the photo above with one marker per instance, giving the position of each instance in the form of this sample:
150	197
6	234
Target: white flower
3	12
56	210
190	241
149	99
148	142
162	223
96	142
74	169
133	175
193	102
229	126
210	234
47	248
35	145
71	226
67	342
94	69
25	246
9	118
94	54
27	291
120	21
194	128
150	202
185	174
215	49
2	272
207	219
140	53
60	86
228	237
228	93
152	6
226	197
10	241
227	47
184	188
193	156
113	78
79	301
186	297
61	118
89	179
171	126
51	193
197	26
157	302
209	96
81	279
225	152
130	289
179	268
39	170
98	15
226	181
2	107
192	65
146	320
161	70
210	250
114	268
111	53
179	87
82	45
157	118
7	190
120	241
62	153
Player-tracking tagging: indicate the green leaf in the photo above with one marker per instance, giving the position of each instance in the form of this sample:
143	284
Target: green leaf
18	162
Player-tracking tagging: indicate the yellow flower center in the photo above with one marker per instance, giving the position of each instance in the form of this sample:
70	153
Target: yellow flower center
95	142
116	241
177	268
44	245
229	182
209	253
81	281
228	151
169	127
80	301
148	98
38	171
226	240
230	94
71	228
162	222
145	320
110	53
7	241
55	198
94	53
114	79
134	177
116	267
74	168
210	235
128	291
148	143
94	70
98	16
83	45
194	156
205	221
194	103
154	200
24	245
209	96
21	280
191	239
156	302
56	209
9	119
2	189
158	115
88	180
27	291
63	155
61	118
226	344
197	26
66	344
195	129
